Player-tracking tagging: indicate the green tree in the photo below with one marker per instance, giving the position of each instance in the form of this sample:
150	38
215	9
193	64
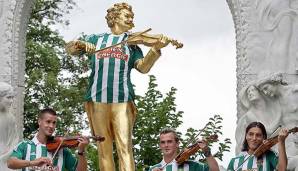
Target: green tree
156	112
52	79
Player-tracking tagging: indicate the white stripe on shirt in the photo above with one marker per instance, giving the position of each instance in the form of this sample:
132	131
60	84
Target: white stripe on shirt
96	62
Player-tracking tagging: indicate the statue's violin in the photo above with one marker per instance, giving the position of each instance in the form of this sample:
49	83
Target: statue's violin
133	39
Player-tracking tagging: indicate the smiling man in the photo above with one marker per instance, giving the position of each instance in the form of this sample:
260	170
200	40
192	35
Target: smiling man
33	154
169	145
255	136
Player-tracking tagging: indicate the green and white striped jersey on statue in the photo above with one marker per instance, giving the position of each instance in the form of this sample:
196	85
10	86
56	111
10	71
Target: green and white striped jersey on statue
31	150
186	166
109	81
267	162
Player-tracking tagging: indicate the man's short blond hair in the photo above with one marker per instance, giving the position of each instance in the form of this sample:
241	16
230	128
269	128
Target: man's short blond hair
114	12
169	130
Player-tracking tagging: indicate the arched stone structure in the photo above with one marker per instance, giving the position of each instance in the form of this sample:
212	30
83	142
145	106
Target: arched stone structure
14	15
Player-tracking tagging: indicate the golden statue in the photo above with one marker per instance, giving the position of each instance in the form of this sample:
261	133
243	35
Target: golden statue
109	99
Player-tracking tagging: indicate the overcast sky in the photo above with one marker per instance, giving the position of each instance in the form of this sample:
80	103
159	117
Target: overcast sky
203	71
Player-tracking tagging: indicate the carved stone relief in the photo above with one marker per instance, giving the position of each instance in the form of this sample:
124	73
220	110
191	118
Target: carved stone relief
266	42
8	127
272	101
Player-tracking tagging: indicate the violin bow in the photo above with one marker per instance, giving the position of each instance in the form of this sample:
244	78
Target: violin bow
124	41
55	153
189	142
279	126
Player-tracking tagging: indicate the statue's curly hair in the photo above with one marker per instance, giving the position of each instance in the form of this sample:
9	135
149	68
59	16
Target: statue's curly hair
114	12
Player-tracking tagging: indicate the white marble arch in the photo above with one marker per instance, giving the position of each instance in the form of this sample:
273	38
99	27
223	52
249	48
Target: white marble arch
14	15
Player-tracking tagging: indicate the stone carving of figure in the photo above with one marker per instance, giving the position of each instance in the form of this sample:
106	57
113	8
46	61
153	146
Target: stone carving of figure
258	109
275	88
8	130
277	19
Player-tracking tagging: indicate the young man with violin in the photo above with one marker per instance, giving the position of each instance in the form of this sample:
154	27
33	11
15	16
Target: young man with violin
110	108
256	154
33	154
169	145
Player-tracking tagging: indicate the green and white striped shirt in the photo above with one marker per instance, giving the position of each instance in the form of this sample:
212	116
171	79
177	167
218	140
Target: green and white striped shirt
109	81
33	149
267	162
186	166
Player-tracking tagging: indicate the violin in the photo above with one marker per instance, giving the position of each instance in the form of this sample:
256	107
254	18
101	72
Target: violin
192	149
133	39
268	143
58	142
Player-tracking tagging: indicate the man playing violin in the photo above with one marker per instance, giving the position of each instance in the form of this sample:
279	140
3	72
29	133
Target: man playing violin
169	145
110	108
255	140
33	154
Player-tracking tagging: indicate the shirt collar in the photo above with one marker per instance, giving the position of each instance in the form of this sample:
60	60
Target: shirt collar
164	163
35	140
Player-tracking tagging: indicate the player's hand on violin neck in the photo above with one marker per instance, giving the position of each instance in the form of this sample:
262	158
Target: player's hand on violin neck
162	42
283	133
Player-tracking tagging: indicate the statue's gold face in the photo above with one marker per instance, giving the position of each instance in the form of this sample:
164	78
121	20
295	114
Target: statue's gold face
125	20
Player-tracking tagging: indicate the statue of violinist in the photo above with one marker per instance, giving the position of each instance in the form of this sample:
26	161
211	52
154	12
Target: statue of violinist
109	98
34	154
256	154
169	145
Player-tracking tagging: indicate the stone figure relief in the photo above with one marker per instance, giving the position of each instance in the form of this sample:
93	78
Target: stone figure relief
274	102
275	88
8	129
277	20
277	17
258	108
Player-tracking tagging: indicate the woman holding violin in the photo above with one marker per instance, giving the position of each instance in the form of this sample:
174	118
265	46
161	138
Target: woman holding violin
256	154
34	155
109	97
169	145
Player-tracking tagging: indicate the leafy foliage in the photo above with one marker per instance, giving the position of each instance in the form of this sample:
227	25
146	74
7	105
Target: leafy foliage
213	127
154	113
52	79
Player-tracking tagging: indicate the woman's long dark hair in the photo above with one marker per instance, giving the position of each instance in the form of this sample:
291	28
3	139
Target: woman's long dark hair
252	125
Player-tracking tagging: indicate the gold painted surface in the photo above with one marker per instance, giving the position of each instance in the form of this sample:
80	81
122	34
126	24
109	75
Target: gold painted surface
115	122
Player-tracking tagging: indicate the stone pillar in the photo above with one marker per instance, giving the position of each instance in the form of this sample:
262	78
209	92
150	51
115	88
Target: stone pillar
14	15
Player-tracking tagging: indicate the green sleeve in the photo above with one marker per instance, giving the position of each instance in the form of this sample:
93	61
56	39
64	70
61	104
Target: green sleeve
272	158
92	38
197	166
136	53
70	161
20	151
231	165
155	166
